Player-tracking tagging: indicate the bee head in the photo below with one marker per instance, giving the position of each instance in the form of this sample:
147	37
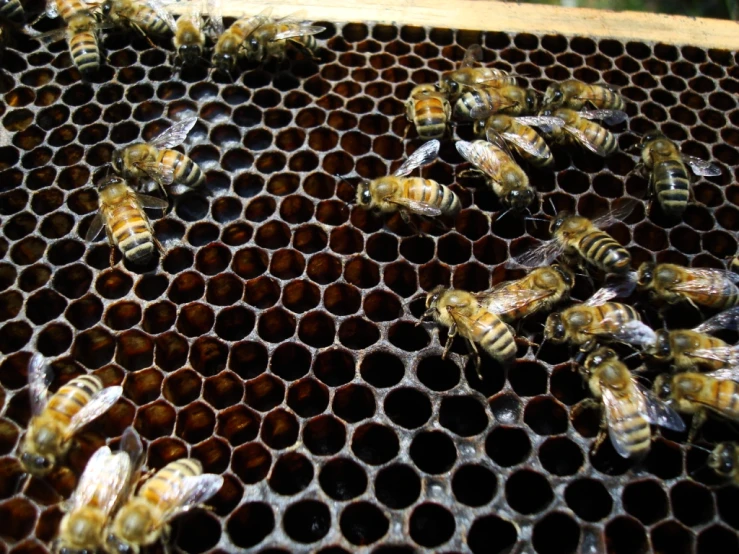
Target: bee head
554	329
116	545
364	195
36	464
558	221
599	356
254	49
645	274
532	101
189	53
721	459
432	298
663	387
567	276
554	97
651	136
117	161
107	8
519	199
661	348
224	61
448	86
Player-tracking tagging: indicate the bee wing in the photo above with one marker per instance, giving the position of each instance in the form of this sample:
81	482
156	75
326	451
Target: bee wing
504	301
708	281
472	54
618	213
544	254
175	135
728	319
544	122
614	407
702	167
583	139
97	406
161	173
96	225
103	480
52	9
187	493
425	154
147	201
478	154
39	379
300	31
215	18
658	412
611	117
616	288
725	354
519	141
163	13
414	206
635	332
132	446
725	374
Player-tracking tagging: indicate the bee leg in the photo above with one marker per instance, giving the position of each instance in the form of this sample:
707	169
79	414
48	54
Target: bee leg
405	216
699	418
449	339
472	347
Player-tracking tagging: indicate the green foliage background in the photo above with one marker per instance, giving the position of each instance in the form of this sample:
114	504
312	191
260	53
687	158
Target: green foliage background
723	9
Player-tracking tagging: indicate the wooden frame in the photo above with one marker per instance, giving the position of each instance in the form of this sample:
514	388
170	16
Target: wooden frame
486	15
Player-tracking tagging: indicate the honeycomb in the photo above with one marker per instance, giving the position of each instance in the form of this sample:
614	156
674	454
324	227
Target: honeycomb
275	341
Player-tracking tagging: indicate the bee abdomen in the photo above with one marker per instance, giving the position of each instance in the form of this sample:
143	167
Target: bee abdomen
497	340
84	50
605	252
160	485
149	20
636	433
186	171
73	396
69	8
672	186
727	398
430	117
612	100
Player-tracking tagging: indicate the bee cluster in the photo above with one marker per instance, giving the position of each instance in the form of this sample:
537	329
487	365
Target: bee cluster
272	356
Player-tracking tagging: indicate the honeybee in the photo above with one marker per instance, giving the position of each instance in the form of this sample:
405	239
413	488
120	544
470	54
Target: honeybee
81	32
149	17
671	283
538	291
144	517
724	460
460	311
429	110
409	194
158	161
102	484
482	101
508	181
454	82
690	349
189	37
668	175
577	95
12	12
697	394
598	320
579	129
272	38
126	224
56	419
629	407
578	236
230	44
518	133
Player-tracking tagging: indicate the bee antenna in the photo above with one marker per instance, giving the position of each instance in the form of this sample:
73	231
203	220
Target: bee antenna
505	213
554	208
343	180
541	345
699	447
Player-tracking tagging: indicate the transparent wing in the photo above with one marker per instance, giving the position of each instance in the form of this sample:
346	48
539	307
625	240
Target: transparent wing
102	481
480	154
637	333
163	13
483	111
614	407
728	319
519	141
613	289
161	173
715	282
134	449
96	225
544	254
147	201
188	492
725	374
215	17
728	355
544	122
39	379
52	9
96	407
300	31
618	213
583	139
702	167
175	135
414	206
472	54
612	117
425	154
657	412
505	300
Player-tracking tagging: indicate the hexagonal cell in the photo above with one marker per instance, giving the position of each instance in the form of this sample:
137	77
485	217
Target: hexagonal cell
279	429
343	479
182	387
307	397
407	407
556	532
264	393
307	521
291	474
250	524
251	462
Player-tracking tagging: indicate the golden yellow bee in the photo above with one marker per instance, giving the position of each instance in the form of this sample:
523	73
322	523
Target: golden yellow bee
81	32
231	43
429	110
460	311
577	95
579	129
144	517
628	407
697	394
672	283
102	485
668	175
12	11
454	82
157	160
56	419
409	195
579	237
126	224
189	36
508	181
482	101
272	39
149	17
518	132
724	460
538	291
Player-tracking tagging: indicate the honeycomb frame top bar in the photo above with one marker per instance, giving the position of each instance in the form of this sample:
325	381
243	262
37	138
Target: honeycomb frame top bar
483	15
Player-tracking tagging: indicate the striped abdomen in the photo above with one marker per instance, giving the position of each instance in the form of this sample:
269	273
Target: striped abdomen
432	193
671	186
598	135
146	18
72	397
611	317
605	99
159	487
69	8
722	396
12	10
83	48
604	252
682	345
186	171
131	232
632	428
495	337
430	116
543	156
488	98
